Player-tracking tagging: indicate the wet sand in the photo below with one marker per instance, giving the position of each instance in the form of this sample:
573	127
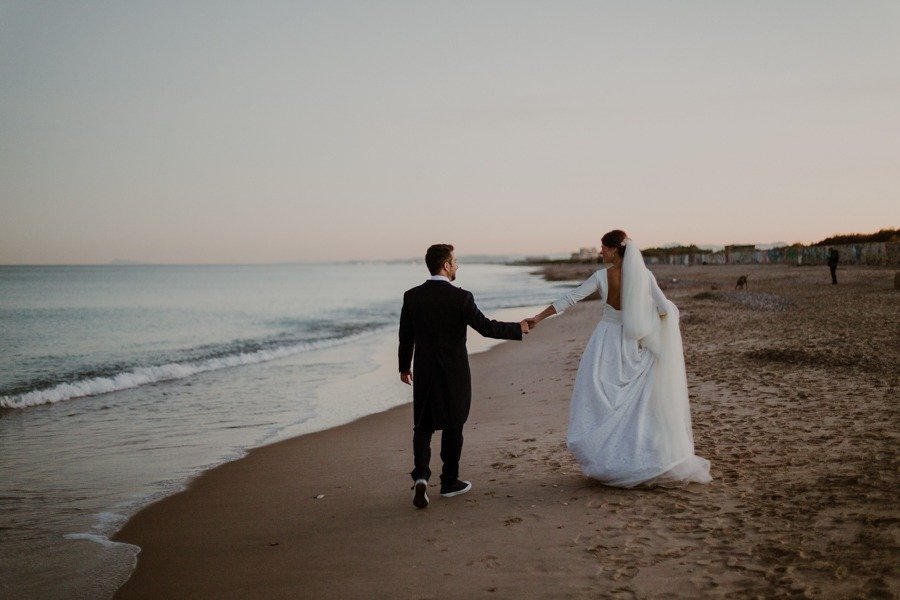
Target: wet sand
793	386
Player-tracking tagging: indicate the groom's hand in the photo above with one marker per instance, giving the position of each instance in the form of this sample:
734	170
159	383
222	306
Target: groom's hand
406	377
532	323
524	325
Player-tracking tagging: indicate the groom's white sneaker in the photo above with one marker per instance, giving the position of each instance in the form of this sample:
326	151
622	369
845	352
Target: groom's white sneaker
420	499
455	489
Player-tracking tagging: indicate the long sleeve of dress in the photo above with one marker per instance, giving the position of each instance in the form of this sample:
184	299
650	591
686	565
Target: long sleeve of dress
569	299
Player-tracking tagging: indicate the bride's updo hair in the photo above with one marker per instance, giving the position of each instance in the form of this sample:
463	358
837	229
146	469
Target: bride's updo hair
615	239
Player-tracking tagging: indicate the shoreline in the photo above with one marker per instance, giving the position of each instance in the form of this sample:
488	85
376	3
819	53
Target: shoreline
379	444
533	526
80	469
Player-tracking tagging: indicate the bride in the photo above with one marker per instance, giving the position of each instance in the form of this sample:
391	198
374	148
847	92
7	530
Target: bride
629	420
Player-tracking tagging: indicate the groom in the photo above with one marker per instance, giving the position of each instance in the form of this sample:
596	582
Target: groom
433	321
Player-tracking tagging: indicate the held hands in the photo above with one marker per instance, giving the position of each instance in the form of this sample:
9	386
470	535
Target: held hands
528	324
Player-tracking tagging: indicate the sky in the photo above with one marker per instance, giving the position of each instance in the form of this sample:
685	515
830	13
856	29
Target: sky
254	132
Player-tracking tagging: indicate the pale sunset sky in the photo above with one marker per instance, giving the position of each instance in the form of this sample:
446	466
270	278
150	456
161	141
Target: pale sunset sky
245	132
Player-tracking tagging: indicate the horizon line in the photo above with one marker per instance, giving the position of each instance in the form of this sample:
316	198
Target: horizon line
119	262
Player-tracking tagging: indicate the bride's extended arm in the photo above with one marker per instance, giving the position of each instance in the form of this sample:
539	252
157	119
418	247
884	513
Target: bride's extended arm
547	312
590	285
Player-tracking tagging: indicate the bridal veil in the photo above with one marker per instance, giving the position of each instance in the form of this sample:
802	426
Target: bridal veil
657	329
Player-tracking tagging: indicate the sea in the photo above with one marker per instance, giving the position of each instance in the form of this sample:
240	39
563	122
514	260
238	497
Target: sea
118	384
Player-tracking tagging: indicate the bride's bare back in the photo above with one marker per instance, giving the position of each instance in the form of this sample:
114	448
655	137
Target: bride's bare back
614	293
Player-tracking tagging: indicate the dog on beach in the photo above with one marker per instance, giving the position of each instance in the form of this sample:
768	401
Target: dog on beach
741	283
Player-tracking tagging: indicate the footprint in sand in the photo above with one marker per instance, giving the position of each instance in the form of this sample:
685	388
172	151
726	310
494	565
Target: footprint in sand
625	573
512	521
489	561
502	466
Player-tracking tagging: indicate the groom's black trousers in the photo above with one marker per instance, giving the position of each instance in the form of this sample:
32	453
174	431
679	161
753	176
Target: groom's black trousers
451	450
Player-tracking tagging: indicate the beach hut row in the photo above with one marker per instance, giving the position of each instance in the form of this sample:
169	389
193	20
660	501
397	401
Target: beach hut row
873	253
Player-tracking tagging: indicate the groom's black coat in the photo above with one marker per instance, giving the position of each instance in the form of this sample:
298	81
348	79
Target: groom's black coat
433	321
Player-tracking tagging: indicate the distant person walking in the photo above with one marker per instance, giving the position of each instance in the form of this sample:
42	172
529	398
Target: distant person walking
833	258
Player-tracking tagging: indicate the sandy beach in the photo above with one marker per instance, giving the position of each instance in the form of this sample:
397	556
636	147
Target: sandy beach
793	385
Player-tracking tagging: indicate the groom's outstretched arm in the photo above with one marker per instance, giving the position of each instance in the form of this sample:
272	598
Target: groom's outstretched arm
488	327
407	338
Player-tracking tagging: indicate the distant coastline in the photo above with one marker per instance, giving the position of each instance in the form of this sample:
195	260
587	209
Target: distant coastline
878	248
881	248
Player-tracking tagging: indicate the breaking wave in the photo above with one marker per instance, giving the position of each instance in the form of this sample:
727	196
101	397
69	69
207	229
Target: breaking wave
139	376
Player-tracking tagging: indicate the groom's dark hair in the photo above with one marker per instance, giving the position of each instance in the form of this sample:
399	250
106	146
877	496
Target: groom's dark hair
436	256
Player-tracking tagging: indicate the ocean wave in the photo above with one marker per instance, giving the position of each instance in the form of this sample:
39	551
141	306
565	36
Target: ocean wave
139	376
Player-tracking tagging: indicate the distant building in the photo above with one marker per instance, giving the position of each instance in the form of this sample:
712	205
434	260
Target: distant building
681	255
858	253
743	254
585	254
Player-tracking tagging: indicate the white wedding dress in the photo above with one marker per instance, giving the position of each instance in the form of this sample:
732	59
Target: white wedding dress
629	419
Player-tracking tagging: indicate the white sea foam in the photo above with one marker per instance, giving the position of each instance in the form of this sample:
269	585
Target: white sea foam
145	375
97	539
